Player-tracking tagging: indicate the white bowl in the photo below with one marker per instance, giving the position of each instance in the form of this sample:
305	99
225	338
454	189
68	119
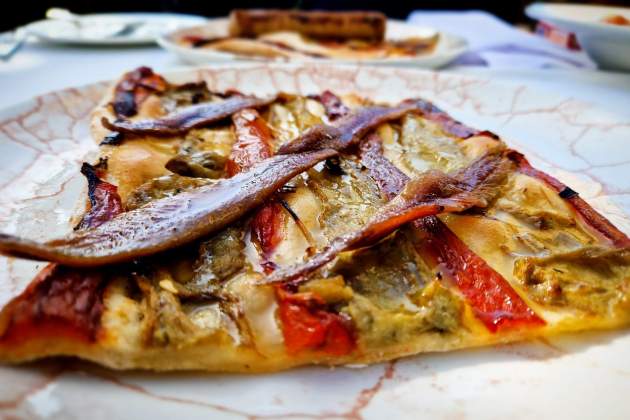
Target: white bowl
607	44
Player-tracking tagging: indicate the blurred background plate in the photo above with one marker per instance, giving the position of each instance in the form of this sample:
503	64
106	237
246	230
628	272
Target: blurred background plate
606	43
447	49
95	29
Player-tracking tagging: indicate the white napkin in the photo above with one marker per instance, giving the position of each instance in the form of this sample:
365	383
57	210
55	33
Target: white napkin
496	44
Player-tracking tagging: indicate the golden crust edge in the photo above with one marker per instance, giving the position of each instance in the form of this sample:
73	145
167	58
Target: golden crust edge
211	357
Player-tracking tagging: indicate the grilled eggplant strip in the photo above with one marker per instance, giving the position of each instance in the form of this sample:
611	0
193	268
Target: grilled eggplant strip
252	144
598	223
188	118
430	194
169	222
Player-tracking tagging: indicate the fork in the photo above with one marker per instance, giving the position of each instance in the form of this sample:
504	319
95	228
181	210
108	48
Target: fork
126	28
10	43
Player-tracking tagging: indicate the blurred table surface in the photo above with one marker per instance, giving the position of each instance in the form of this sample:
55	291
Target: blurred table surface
518	57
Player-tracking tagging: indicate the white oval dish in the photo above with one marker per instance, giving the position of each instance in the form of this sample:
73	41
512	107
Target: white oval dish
606	44
447	49
152	25
43	141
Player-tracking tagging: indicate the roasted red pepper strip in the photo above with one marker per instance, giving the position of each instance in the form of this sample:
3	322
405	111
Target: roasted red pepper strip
134	88
598	223
267	229
253	141
105	202
307	325
493	300
63	301
253	145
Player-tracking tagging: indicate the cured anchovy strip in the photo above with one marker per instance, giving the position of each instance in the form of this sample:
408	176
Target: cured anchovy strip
349	129
169	222
430	194
446	122
188	118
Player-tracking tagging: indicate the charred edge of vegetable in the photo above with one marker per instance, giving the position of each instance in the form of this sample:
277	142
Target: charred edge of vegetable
588	214
59	302
112	139
90	173
333	165
287	189
133	89
567	192
105	202
300	224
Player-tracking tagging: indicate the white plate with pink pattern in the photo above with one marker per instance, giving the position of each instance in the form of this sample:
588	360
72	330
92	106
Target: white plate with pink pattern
42	142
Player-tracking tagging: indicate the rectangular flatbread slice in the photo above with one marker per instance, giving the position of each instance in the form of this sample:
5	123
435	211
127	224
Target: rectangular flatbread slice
226	232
